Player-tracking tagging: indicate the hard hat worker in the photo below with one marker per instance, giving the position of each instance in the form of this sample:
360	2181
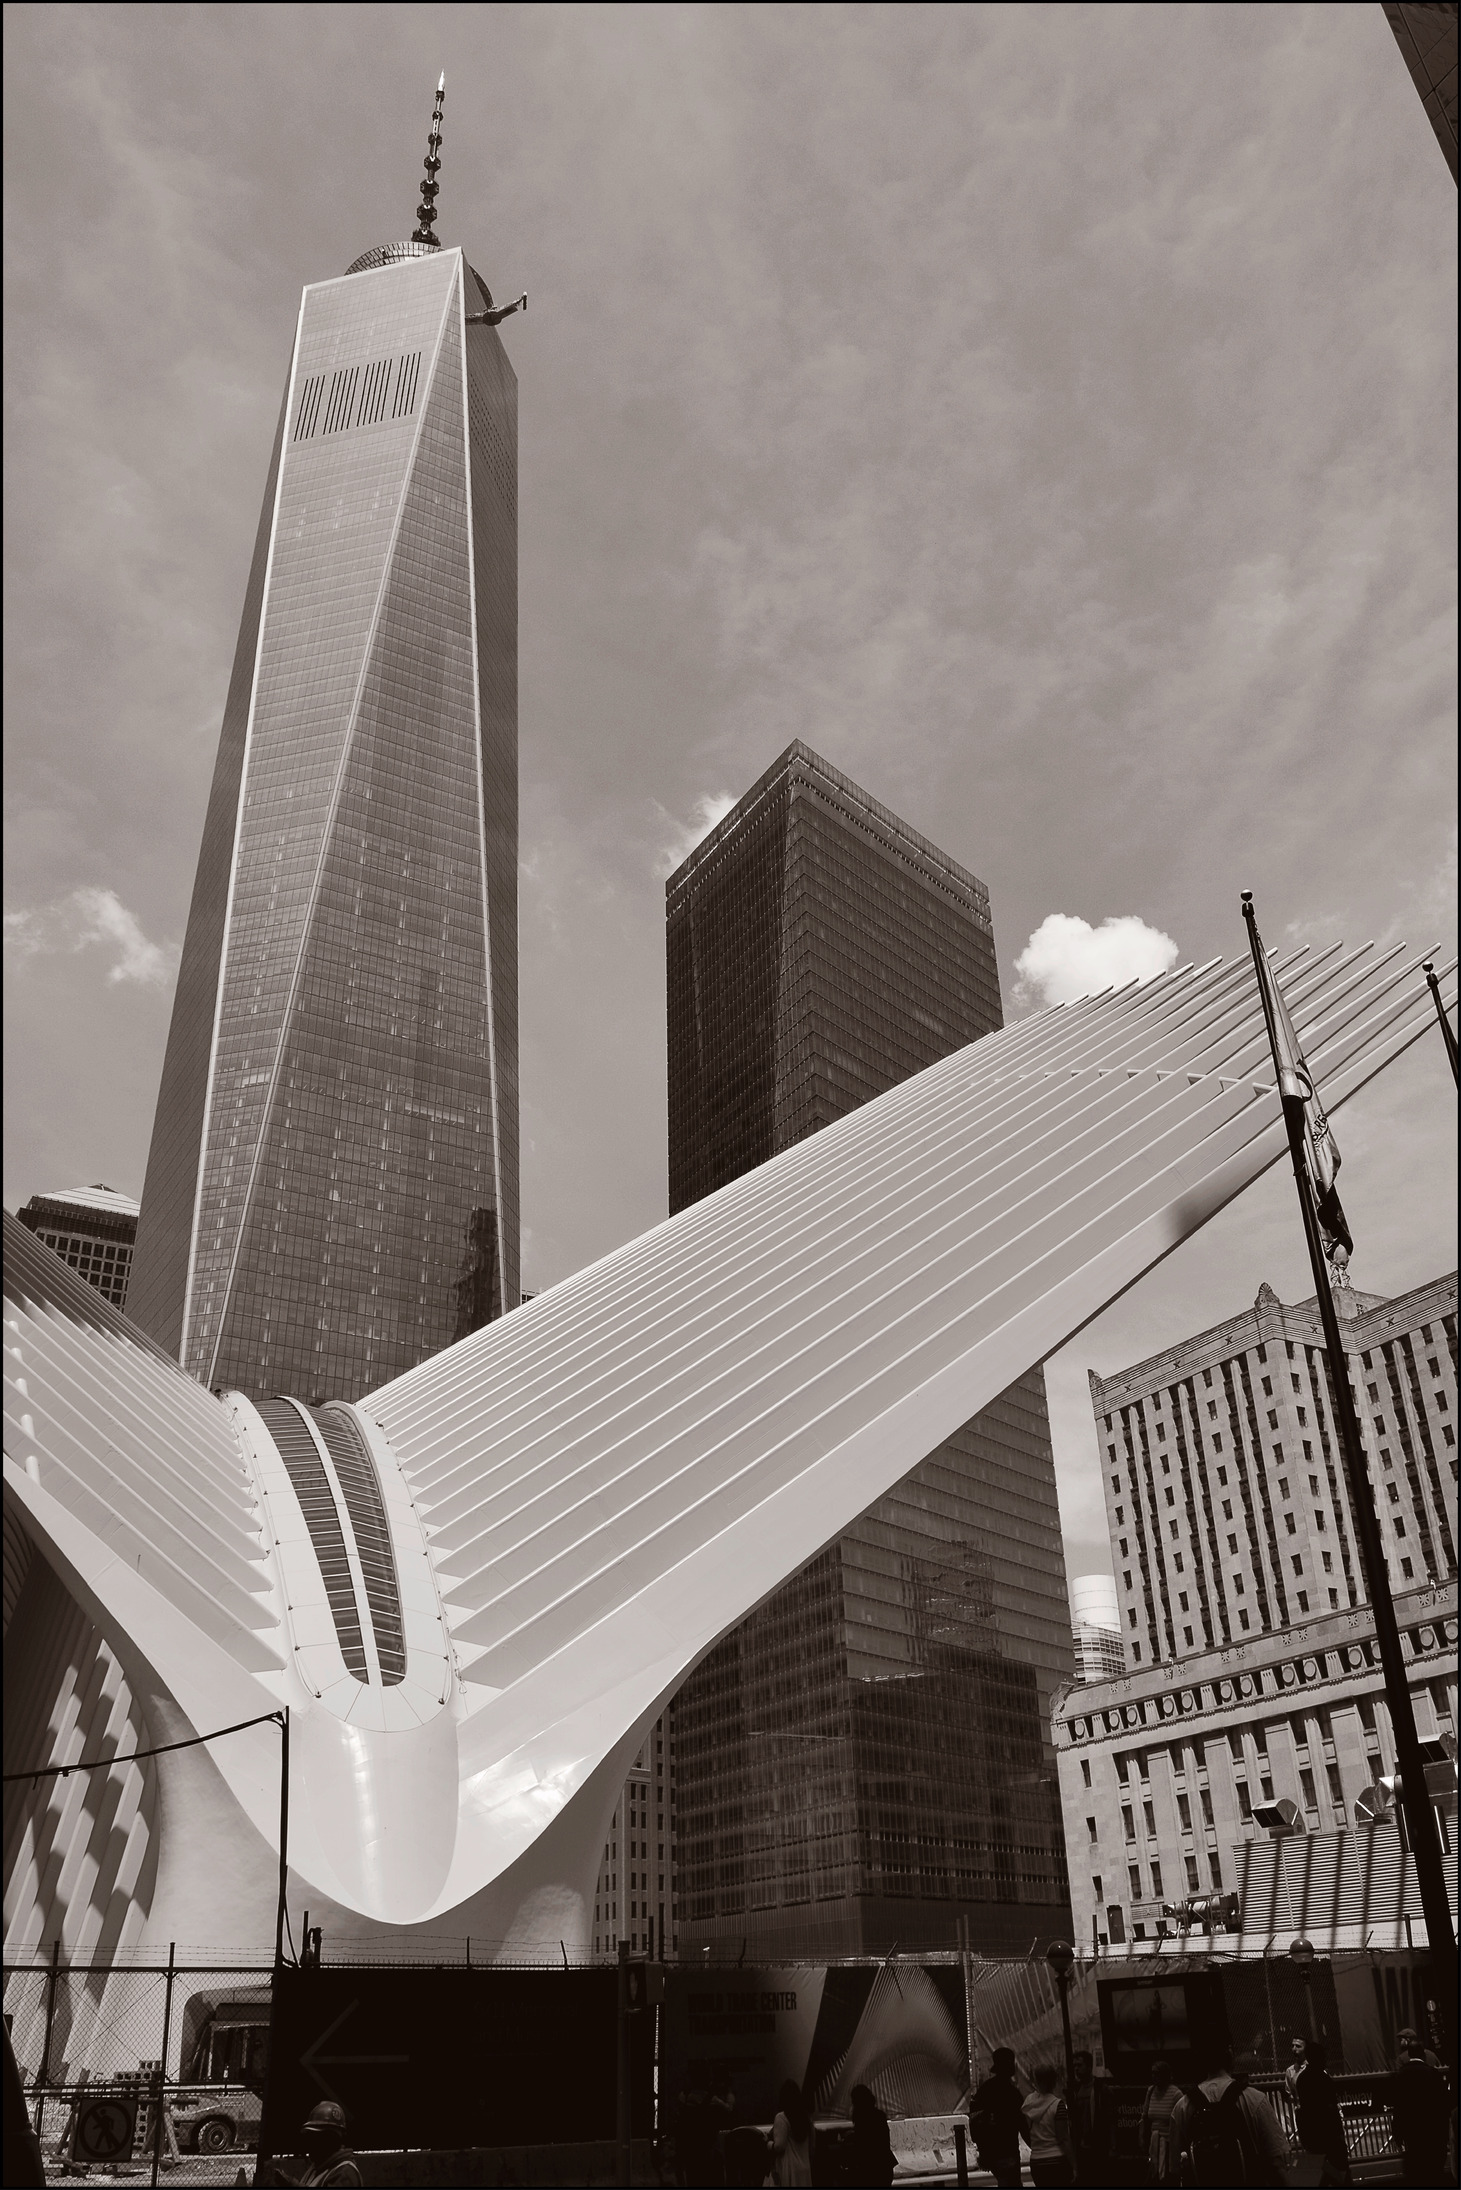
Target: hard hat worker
329	2164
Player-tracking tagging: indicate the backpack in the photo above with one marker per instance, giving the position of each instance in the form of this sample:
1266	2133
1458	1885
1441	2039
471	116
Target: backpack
1219	2146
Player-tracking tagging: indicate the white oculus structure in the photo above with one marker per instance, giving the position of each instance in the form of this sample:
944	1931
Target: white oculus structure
478	1586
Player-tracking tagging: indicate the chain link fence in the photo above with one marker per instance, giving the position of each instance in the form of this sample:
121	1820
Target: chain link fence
141	2074
156	2072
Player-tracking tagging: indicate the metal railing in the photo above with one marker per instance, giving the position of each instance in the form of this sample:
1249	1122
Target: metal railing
1369	2127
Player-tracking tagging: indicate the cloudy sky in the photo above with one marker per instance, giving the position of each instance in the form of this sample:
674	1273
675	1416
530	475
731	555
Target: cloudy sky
1045	412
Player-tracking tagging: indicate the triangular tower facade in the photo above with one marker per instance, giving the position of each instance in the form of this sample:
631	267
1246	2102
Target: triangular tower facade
332	1189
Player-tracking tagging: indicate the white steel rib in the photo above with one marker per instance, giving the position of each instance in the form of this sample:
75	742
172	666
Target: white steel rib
586	1495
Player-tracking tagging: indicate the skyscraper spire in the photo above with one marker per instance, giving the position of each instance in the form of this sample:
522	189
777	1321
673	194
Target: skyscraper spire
426	210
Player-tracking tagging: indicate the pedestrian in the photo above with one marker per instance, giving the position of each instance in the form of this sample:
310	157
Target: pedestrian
696	2144
1408	2041
1420	2107
1298	2060
1047	2132
1321	2124
329	2164
1156	2124
720	2111
792	2137
870	2148
1225	2132
997	2121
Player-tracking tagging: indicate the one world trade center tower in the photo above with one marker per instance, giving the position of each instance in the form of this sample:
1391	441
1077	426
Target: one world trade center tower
332	1187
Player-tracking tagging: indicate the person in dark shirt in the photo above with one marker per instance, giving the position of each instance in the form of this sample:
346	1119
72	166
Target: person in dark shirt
1420	2106
1321	2125
869	2149
697	2143
997	2121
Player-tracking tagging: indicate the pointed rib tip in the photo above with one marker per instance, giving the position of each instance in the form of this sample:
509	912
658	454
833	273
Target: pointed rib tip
441	83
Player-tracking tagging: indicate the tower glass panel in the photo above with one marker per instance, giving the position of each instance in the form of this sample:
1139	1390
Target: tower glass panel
869	1754
331	1192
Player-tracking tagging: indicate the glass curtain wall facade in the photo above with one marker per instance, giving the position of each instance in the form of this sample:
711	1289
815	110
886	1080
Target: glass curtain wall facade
332	1193
868	1756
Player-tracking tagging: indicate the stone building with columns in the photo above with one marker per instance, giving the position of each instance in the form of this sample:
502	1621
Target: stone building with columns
1251	1671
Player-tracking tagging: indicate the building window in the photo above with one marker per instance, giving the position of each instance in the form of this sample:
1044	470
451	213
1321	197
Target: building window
1380	1424
1096	1888
1268	1387
1283	1486
1134	1878
1091	1827
1407	1569
1303	1417
1243	1621
1187	1637
1237	1585
1245	1800
1131	1615
1128	1821
1194	1881
1156	1880
1319	1518
1303	1600
1085	1771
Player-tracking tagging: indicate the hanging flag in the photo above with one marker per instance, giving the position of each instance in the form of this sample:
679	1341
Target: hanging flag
1296	1084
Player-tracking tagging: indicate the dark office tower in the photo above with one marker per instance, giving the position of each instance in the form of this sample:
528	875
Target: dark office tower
1425	31
332	1191
867	1757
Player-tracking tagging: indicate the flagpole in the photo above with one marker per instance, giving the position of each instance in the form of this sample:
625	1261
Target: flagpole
1446	1035
1419	1817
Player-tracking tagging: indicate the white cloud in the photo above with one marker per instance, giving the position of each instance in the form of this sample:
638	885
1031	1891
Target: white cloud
709	808
91	916
1066	957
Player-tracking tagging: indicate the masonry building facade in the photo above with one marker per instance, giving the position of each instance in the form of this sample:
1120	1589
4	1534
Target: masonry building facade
1251	1670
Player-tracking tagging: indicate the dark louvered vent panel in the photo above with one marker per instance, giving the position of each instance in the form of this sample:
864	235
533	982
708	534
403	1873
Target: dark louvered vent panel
309	407
340	402
300	1455
357	395
374	389
367	1509
408	372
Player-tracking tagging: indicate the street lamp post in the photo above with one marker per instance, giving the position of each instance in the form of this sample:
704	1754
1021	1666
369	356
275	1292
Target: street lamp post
1061	1957
1301	1954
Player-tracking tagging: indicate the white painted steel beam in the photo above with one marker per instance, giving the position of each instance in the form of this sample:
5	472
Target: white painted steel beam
586	1495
